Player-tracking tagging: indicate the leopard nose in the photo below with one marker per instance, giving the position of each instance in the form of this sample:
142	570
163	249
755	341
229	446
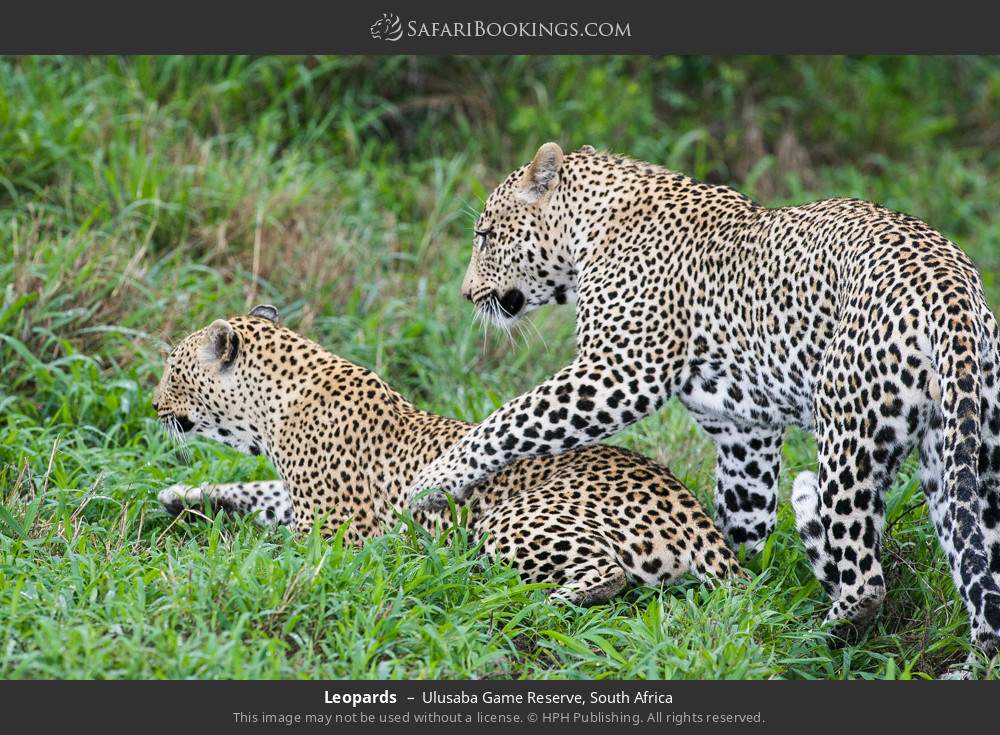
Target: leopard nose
467	293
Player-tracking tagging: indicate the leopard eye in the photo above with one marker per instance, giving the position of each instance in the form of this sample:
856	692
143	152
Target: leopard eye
484	236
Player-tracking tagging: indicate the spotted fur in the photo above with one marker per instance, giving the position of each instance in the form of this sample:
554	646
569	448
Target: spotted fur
347	446
840	316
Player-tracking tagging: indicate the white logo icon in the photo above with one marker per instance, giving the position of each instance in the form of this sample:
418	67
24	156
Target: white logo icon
387	28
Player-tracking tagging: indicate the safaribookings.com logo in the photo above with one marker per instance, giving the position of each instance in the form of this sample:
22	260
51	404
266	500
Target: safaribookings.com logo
387	28
390	28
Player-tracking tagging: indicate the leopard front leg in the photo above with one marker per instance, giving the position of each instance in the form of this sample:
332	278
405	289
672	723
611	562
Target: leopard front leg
268	500
746	477
587	401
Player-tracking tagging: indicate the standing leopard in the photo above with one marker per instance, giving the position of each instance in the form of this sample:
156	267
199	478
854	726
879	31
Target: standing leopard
347	446
839	316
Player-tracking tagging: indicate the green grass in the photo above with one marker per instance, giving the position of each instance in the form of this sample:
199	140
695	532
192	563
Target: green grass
142	198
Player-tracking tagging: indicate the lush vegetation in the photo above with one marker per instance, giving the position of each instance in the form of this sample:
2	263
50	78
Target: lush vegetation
142	198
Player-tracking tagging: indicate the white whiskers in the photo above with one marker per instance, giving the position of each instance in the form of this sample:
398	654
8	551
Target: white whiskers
534	328
489	312
479	317
502	318
177	436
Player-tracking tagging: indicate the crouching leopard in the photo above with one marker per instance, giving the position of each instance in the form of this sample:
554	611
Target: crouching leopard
839	316
347	446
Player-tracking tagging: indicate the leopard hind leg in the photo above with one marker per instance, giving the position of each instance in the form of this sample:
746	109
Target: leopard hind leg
591	584
806	503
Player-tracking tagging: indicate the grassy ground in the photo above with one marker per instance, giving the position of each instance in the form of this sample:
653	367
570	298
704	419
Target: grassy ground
142	198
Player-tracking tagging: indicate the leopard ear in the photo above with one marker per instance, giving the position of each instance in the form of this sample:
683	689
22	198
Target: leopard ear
588	149
265	311
221	345
542	176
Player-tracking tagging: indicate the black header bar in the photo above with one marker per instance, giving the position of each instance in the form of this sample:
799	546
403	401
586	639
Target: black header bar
514	26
